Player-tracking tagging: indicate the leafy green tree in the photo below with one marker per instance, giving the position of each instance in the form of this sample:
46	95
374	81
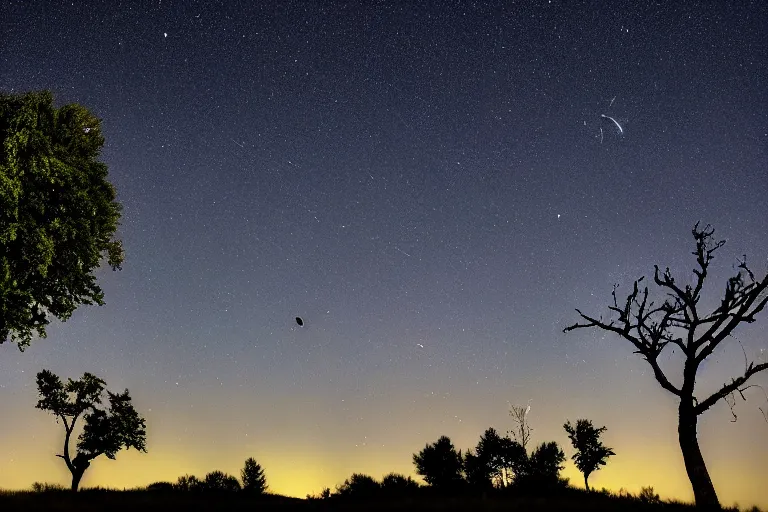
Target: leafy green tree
58	213
590	451
218	481
680	323
253	477
440	464
105	432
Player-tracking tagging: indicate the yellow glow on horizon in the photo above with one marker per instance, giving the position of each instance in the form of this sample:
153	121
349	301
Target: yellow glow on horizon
300	475
303	451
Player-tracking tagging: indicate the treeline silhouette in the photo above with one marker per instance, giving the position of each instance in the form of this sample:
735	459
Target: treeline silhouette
499	471
252	480
497	464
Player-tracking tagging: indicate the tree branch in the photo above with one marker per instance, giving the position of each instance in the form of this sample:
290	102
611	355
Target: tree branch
718	332
650	351
727	389
661	378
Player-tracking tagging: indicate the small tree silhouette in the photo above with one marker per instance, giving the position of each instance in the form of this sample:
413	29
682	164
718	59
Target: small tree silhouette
439	464
253	477
590	451
104	432
478	471
496	458
218	481
543	468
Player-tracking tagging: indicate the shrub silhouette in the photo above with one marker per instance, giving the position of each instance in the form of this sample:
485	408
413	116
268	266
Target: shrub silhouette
440	464
359	486
218	481
648	496
397	485
322	495
253	477
46	487
188	483
161	487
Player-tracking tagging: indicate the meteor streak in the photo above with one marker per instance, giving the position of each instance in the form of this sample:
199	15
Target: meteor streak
621	130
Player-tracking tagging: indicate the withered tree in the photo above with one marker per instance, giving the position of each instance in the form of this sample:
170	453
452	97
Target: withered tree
677	321
522	431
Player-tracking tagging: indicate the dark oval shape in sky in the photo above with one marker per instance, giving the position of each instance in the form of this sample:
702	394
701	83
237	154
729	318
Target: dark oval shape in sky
300	321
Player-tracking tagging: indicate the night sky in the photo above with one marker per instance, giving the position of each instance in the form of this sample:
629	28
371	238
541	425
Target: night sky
426	185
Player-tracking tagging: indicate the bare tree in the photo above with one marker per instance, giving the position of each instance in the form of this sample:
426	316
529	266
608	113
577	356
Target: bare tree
522	430
677	321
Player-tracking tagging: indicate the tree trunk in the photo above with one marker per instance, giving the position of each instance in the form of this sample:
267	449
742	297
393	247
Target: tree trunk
586	484
79	465
703	490
77	475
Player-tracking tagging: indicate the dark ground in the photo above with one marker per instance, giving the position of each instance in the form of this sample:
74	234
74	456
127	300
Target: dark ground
147	501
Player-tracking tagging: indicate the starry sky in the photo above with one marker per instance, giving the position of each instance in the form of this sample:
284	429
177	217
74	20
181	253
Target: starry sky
432	187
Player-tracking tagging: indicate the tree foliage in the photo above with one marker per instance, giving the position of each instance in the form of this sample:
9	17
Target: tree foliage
543	468
590	451
219	481
188	483
678	322
58	213
253	477
477	471
105	432
395	484
161	487
495	460
439	463
359	486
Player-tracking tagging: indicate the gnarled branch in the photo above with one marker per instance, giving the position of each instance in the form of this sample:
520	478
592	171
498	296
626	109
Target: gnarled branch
734	386
647	349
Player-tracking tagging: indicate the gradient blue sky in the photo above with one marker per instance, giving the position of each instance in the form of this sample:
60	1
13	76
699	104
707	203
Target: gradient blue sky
424	183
